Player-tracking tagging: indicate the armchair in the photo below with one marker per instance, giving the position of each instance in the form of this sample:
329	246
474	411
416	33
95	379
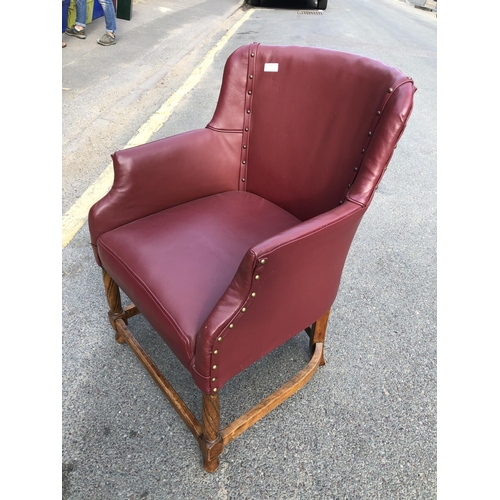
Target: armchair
230	240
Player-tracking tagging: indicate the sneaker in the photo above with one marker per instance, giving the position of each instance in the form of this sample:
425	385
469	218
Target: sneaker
107	39
74	32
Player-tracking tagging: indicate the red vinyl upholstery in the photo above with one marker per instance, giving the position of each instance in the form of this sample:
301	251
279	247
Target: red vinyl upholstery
231	239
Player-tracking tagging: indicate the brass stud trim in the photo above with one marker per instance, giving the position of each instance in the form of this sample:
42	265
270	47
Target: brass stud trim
243	180
246	129
219	339
262	261
252	55
253	294
215	389
390	90
251	77
257	276
230	326
216	351
214	379
214	367
244	310
244	162
244	146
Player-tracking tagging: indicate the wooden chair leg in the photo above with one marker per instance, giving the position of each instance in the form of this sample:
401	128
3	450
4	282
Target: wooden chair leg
211	442
318	333
114	302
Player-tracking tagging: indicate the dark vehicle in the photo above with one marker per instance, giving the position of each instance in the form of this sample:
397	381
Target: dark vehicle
322	4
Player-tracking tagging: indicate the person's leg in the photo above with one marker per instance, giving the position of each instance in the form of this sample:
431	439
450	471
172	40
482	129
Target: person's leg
109	15
109	38
81	13
78	29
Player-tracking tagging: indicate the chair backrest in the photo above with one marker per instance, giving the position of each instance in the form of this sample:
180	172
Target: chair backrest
318	126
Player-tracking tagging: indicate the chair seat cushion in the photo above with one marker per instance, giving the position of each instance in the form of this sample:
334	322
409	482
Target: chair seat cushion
176	264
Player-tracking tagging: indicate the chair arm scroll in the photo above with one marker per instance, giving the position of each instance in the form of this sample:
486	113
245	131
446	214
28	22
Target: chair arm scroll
165	173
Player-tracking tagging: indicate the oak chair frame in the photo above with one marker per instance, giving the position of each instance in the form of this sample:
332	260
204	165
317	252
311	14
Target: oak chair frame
211	438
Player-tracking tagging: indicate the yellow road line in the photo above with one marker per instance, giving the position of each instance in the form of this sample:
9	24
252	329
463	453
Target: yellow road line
76	216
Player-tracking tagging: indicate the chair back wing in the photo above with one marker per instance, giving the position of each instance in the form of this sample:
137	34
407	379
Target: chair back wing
317	125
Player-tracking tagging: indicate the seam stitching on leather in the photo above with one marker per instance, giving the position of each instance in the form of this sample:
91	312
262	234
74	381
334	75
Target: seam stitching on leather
376	122
224	130
247	118
224	331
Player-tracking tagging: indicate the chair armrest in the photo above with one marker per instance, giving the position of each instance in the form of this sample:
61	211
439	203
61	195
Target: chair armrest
165	173
286	282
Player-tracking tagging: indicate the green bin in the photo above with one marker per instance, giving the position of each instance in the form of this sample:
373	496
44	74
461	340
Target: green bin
124	9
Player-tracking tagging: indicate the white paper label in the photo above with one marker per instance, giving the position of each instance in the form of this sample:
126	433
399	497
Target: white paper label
271	67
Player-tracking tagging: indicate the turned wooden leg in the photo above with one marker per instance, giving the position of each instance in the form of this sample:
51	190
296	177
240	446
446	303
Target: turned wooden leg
318	334
211	443
114	302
